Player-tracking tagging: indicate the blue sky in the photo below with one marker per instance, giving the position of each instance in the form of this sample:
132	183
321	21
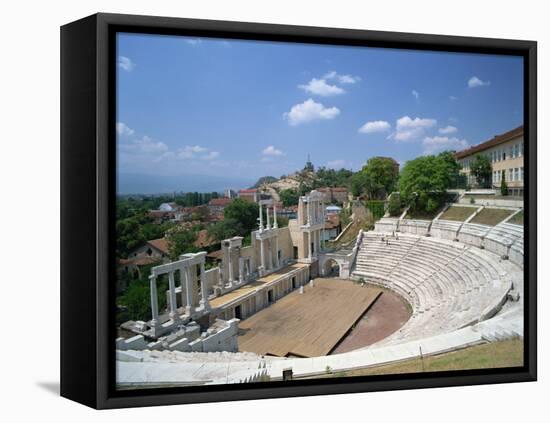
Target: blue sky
210	113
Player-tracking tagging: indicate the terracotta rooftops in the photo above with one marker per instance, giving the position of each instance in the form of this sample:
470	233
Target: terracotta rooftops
221	202
160	244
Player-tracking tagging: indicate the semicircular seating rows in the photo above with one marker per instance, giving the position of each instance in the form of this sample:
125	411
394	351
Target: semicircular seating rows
448	284
504	239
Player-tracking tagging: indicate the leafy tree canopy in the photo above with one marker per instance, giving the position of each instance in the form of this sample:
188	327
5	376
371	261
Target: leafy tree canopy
243	212
424	181
181	241
482	170
289	197
382	174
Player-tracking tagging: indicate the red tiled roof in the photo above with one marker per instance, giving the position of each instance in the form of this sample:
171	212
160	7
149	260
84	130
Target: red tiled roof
248	191
220	202
496	140
159	213
160	244
139	261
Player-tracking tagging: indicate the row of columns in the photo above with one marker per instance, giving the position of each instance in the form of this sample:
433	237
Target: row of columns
314	212
187	289
229	261
270	262
268	217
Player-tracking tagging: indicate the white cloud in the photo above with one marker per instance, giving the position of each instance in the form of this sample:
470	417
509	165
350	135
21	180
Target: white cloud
408	129
453	98
195	151
123	130
437	144
415	93
320	87
212	155
309	111
143	145
125	63
449	129
342	79
474	82
338	164
375	126
272	151
193	41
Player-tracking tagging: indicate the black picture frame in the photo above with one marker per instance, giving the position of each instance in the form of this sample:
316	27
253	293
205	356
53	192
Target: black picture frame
88	181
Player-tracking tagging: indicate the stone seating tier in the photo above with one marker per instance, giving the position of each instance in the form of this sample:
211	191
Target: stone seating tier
448	284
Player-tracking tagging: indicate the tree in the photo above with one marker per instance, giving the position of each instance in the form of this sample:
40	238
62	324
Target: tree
453	167
357	183
503	185
482	170
332	178
394	206
128	235
426	178
377	178
225	229
181	241
289	197
243	212
137	297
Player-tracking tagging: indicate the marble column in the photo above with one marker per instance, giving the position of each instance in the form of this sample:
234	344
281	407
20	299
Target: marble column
270	255
189	281
204	289
241	270
308	213
275	224
154	301
261	220
267	214
262	258
173	301
309	245
183	283
230	265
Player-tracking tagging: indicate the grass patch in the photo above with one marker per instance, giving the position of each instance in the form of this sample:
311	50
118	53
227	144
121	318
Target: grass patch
492	355
460	214
422	214
489	216
493	197
517	219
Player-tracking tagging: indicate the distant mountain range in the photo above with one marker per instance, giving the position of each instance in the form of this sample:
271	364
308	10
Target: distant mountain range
135	183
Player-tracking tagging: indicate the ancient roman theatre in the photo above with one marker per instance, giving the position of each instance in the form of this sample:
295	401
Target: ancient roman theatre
286	303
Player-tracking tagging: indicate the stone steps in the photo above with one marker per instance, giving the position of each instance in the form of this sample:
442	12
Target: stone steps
448	284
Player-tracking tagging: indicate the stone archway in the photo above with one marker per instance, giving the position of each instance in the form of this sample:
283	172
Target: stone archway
335	264
331	268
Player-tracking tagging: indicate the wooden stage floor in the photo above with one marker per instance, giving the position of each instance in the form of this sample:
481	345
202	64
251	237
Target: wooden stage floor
309	324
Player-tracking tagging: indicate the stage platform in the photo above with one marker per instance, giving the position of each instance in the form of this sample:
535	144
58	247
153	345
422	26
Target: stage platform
245	290
309	324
